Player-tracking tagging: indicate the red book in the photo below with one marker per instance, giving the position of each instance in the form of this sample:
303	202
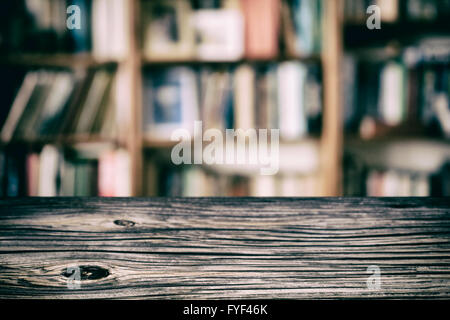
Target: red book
262	20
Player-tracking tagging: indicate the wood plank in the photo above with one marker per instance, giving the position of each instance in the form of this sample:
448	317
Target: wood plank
214	248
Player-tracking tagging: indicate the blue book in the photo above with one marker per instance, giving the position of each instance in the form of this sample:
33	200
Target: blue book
306	16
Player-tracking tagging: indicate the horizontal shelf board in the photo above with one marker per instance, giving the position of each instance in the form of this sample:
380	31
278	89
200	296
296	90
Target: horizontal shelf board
61	140
150	143
195	62
416	154
55	60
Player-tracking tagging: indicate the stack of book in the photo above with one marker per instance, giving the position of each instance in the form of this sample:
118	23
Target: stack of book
410	90
397	183
392	183
51	103
100	27
196	181
285	96
362	179
54	171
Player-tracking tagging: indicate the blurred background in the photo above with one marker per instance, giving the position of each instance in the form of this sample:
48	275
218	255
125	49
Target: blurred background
90	111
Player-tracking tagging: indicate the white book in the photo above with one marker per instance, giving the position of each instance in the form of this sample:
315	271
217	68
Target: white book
220	34
291	82
263	186
391	184
195	183
119	28
392	93
290	186
19	105
101	30
244	97
123	173
48	171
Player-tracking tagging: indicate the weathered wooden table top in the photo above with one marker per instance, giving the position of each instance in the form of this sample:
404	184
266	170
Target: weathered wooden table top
214	248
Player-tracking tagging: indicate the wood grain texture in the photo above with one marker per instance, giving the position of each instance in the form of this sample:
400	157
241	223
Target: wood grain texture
218	248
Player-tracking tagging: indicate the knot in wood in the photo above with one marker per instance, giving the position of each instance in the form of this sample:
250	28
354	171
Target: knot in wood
86	272
124	223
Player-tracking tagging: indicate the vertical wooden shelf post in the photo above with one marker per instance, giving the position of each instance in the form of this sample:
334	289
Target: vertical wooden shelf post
332	135
134	139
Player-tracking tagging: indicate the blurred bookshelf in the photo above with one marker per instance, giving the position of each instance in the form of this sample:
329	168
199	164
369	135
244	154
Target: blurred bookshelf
130	47
396	99
111	89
